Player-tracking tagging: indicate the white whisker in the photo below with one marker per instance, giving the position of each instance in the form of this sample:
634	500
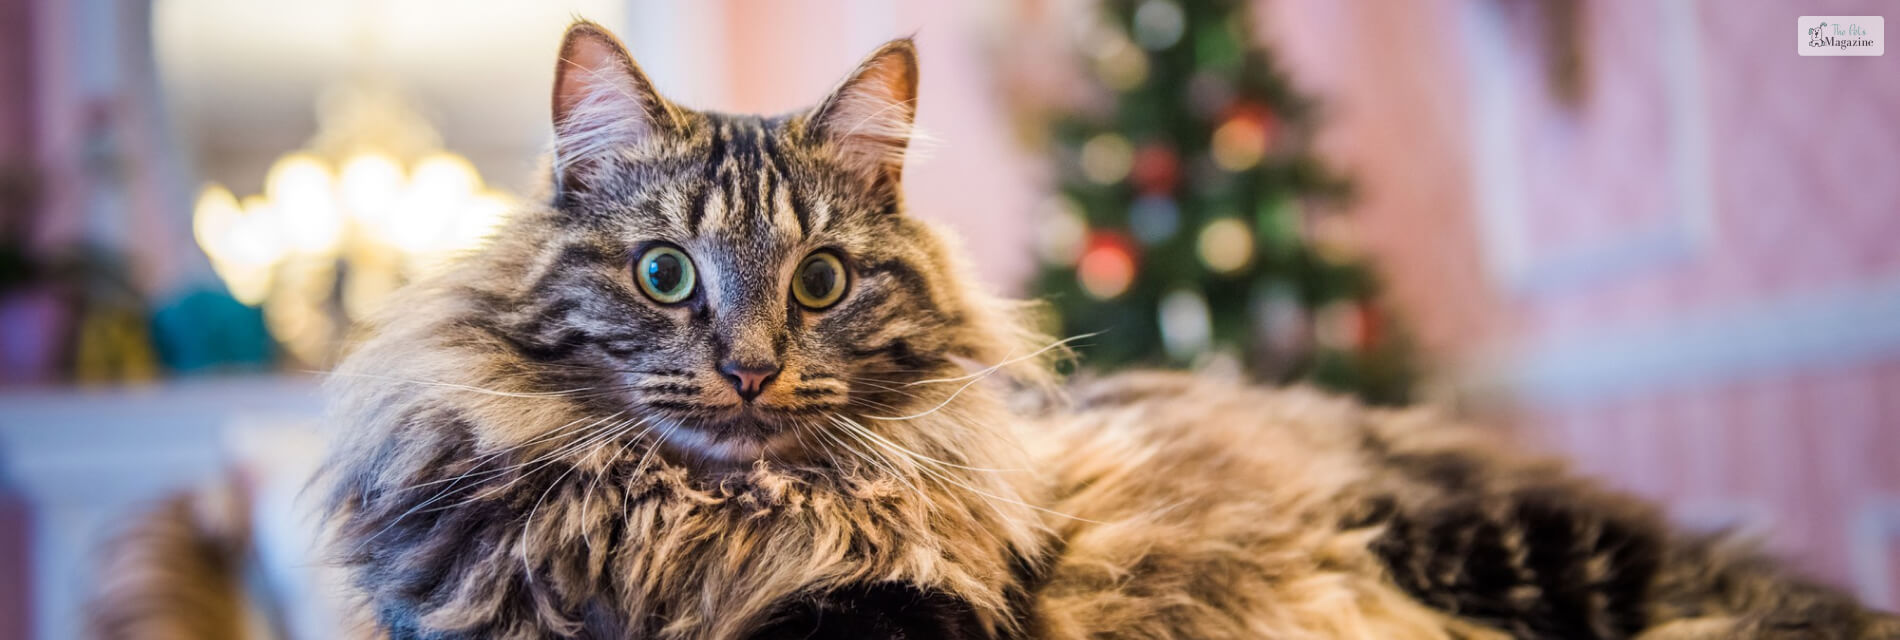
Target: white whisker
852	424
450	490
869	454
945	477
464	387
993	368
545	459
608	466
527	527
558	431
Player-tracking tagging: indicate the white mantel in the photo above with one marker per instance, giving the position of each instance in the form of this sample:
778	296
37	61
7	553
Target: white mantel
83	458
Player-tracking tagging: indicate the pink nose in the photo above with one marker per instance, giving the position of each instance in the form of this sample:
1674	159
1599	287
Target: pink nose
749	379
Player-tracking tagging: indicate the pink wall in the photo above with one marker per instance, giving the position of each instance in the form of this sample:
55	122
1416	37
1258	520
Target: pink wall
1395	121
16	80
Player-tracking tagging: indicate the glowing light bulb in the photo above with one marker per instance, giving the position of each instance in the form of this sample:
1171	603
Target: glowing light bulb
214	214
1239	144
479	216
1062	232
258	238
439	189
303	194
1226	245
371	183
1107	158
1185	327
449	172
243	242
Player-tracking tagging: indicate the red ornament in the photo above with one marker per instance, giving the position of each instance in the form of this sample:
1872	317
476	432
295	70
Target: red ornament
1345	325
1245	136
1371	325
1107	267
1157	170
1258	116
1351	325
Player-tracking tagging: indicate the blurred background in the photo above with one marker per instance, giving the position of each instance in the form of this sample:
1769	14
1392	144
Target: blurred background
1648	236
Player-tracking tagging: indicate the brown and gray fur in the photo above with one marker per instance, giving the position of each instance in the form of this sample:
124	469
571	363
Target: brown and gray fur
532	447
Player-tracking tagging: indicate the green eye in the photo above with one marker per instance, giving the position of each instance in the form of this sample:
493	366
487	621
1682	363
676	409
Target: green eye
819	282
665	274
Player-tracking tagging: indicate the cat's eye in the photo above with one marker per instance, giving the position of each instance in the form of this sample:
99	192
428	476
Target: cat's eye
665	274
819	281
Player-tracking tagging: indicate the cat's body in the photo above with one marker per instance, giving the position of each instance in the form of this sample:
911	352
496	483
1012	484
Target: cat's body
1221	511
716	389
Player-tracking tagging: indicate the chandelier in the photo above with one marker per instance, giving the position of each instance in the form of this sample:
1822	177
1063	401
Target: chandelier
371	202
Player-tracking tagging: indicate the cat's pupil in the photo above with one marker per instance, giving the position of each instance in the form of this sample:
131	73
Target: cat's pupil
818	278
664	272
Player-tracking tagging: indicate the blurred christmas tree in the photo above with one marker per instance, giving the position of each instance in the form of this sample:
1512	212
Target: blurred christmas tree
1192	220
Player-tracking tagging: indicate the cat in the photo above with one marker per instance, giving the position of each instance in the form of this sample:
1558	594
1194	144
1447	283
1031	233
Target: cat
721	385
646	409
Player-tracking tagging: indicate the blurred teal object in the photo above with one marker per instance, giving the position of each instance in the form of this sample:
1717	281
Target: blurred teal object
208	330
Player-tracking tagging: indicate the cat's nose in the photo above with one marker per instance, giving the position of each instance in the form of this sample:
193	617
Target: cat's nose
749	379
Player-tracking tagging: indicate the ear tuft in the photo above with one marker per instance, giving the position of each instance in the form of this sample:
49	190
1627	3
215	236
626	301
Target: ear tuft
602	104
870	115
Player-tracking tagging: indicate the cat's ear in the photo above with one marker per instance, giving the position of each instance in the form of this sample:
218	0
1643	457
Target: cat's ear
868	118
603	105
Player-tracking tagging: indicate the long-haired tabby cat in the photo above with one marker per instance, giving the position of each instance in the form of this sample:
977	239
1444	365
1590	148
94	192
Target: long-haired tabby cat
721	386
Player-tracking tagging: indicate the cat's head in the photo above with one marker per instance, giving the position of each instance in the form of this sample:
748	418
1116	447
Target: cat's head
735	282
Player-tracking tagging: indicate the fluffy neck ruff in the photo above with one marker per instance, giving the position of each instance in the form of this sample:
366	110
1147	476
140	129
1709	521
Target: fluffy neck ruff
468	511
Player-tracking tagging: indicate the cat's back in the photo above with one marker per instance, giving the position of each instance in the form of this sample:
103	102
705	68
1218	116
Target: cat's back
1196	506
1174	428
1185	412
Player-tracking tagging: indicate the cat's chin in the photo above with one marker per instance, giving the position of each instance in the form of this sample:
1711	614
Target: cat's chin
729	449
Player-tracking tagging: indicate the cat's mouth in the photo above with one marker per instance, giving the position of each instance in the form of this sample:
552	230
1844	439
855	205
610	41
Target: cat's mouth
728	446
741	438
